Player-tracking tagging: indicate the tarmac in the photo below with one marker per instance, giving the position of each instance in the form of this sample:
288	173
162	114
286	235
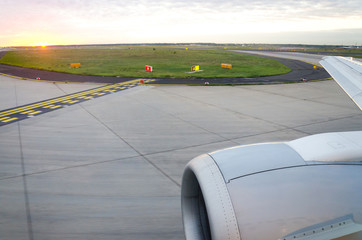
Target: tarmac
111	167
304	57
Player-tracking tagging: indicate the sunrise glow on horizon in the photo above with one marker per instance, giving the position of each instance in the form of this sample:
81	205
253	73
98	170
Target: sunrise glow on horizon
64	22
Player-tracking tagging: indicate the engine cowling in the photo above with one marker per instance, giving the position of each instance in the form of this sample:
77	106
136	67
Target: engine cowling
310	188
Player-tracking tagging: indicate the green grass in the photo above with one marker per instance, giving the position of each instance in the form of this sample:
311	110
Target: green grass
130	62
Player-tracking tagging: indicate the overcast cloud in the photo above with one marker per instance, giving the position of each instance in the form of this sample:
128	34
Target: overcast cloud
27	22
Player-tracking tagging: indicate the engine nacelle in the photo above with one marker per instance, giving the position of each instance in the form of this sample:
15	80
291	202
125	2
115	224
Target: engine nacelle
310	188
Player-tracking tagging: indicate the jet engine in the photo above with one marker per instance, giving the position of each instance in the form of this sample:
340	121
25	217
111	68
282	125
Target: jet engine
309	188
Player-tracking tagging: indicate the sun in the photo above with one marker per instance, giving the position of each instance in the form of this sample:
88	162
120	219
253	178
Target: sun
43	45
40	44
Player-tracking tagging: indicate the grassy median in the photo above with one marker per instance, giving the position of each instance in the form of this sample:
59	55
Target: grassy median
130	62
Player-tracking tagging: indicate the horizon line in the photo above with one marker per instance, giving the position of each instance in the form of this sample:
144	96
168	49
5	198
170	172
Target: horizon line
185	43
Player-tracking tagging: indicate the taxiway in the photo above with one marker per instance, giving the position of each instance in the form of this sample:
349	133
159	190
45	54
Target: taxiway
111	167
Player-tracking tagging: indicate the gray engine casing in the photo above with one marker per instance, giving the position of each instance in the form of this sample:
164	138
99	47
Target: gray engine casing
309	188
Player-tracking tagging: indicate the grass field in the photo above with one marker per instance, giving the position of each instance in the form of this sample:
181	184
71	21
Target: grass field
130	62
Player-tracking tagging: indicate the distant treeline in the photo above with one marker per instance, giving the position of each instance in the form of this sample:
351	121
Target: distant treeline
245	45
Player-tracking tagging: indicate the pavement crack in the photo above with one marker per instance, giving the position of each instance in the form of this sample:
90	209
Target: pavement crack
67	168
133	148
313	100
229	110
26	192
25	184
61	89
181	119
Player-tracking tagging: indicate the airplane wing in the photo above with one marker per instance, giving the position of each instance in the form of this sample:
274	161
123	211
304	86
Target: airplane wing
348	74
306	189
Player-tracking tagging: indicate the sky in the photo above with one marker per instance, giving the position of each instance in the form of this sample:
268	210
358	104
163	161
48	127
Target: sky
63	22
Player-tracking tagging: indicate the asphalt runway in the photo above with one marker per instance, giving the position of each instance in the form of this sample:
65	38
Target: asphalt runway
111	167
15	114
304	57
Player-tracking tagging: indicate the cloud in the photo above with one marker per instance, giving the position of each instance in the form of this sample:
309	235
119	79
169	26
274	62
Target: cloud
146	20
